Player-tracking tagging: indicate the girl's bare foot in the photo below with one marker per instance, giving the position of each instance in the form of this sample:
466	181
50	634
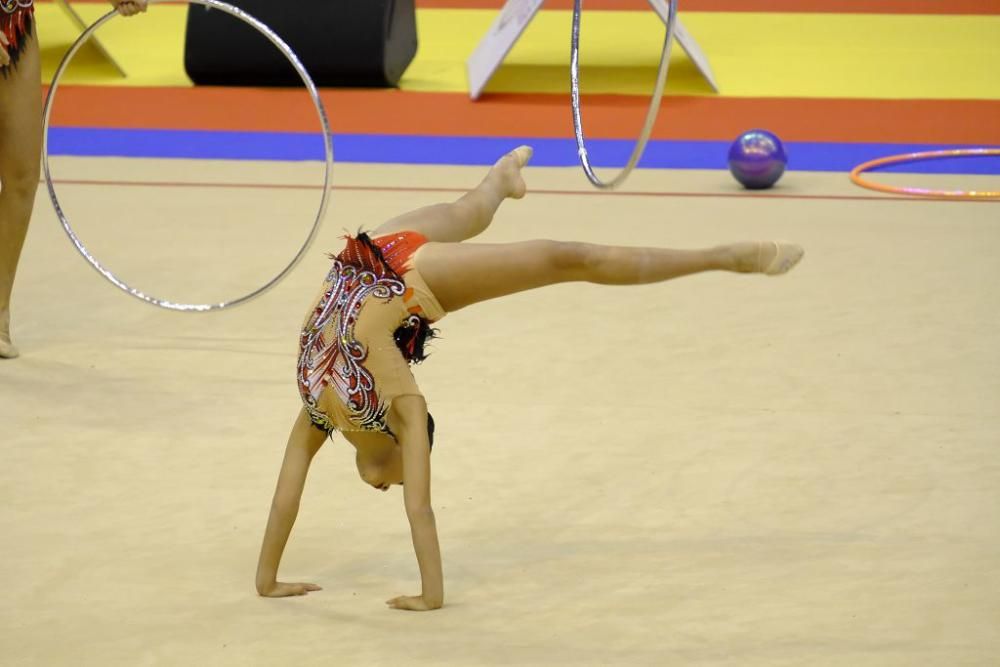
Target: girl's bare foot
772	258
7	348
508	171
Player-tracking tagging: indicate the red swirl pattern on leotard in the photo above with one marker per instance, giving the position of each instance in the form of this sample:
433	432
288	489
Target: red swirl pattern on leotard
337	361
16	25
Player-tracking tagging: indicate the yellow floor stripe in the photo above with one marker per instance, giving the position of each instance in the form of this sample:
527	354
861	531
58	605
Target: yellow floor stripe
863	56
758	55
754	55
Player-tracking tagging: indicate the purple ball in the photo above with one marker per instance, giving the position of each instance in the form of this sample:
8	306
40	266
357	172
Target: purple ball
757	159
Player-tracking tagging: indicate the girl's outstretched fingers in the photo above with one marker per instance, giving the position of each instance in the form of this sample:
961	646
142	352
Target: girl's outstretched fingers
129	7
283	590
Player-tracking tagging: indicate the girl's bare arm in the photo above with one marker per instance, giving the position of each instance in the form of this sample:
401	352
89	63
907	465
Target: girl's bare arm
303	443
409	423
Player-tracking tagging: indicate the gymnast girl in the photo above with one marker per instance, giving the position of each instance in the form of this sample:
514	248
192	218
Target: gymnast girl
21	139
374	314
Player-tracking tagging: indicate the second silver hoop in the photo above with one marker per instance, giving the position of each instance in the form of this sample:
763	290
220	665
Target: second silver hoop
654	105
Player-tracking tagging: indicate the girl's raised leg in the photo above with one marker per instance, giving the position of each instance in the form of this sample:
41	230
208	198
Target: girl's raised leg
463	274
473	212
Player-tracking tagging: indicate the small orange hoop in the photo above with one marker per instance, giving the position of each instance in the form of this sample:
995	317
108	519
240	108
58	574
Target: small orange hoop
921	192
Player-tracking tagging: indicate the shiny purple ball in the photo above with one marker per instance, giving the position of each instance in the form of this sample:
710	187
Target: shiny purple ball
757	159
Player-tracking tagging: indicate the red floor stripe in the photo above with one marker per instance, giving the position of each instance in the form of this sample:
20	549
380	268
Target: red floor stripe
358	111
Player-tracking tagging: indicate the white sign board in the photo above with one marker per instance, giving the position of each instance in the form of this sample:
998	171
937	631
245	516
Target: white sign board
505	31
514	18
687	42
83	25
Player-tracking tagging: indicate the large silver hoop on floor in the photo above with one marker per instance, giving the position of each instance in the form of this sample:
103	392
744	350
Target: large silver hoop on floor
327	145
654	104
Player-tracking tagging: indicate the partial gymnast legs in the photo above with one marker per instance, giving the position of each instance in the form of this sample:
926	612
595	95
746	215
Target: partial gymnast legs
20	157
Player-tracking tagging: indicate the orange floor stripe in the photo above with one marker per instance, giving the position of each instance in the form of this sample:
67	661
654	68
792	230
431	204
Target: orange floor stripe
605	116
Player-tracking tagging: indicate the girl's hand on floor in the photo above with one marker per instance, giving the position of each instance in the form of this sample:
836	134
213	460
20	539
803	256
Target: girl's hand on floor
282	590
410	603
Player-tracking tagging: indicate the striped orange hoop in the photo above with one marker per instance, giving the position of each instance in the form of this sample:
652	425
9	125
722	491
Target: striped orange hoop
921	192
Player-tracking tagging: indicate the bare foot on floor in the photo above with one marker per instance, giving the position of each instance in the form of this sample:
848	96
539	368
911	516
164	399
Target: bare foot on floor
7	348
508	169
772	258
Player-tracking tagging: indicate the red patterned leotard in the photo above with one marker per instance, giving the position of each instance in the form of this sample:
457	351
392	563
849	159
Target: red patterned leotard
398	248
370	321
16	23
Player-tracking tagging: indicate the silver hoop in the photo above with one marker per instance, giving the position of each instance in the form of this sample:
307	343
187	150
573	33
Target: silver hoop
327	144
654	105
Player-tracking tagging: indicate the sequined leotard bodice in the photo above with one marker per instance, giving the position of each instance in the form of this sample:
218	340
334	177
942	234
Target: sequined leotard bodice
365	329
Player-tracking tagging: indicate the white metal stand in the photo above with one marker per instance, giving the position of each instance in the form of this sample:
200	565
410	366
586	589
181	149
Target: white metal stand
513	20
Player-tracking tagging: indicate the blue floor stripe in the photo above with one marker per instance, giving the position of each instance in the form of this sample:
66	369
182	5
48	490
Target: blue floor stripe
291	146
